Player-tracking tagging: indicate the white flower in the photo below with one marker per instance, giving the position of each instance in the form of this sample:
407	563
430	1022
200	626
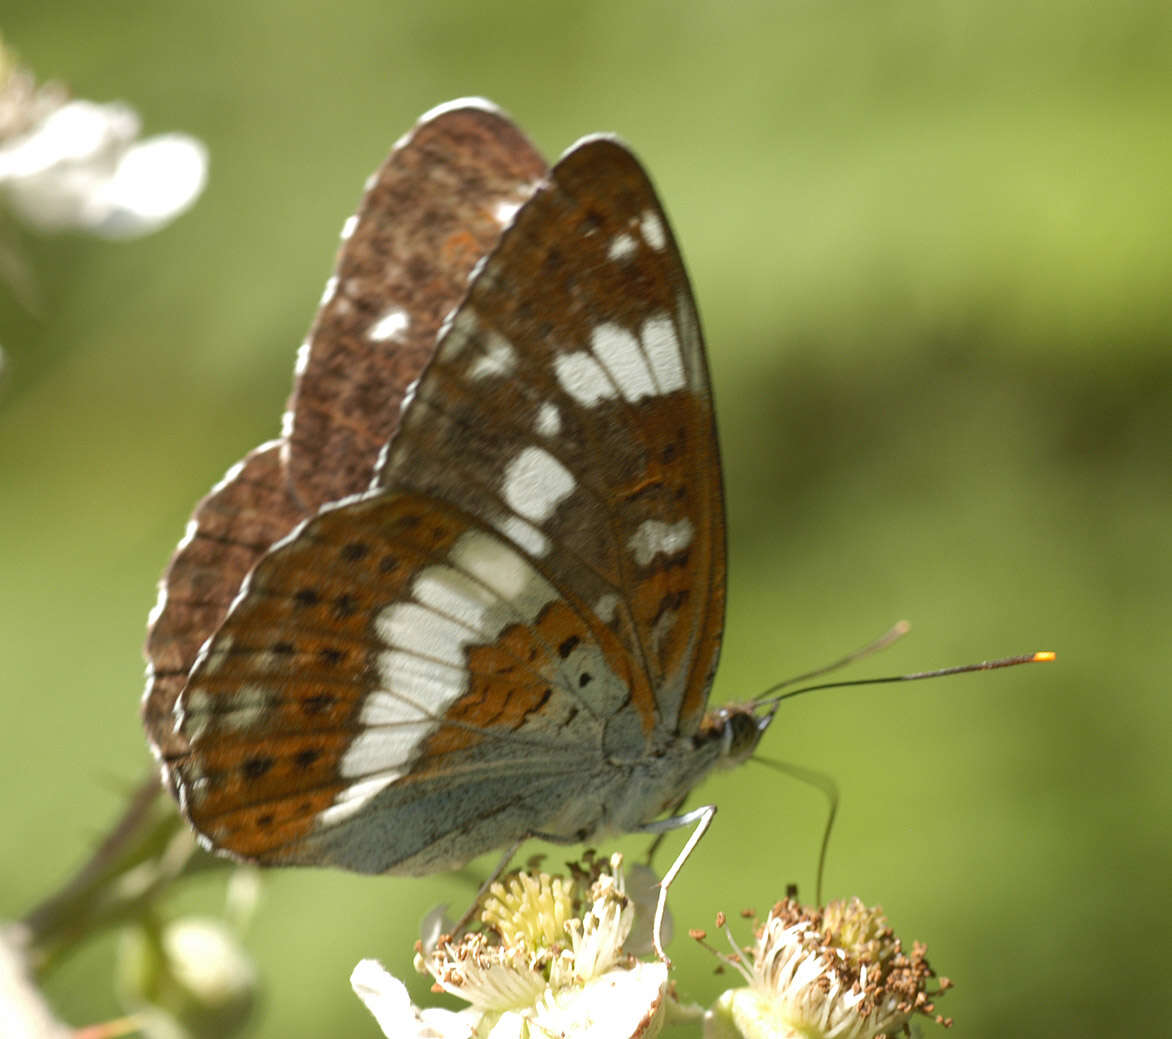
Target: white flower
386	998
538	968
79	165
839	973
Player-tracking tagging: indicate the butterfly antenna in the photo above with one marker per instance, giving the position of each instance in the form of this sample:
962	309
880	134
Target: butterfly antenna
1039	657
888	638
820	781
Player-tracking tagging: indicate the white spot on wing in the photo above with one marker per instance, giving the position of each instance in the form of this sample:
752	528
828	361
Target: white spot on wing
394	729
267	660
354	797
536	483
390	708
488	586
243	710
495	564
606	607
348	227
582	377
409	626
386	748
458	596
655	536
658	336
217	654
195	716
549	420
523	533
652	227
504	211
499	358
623	356
392	322
622	247
413	681
662	629
247	708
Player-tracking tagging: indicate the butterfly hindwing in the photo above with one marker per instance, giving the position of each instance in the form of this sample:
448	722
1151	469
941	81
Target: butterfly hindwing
385	650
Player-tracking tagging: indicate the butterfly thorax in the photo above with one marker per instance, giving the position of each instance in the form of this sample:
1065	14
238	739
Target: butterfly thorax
654	785
624	798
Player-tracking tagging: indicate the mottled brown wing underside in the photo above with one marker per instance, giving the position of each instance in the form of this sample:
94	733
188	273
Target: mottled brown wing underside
428	215
432	211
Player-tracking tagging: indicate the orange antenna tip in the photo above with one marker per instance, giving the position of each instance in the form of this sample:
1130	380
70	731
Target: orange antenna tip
1042	656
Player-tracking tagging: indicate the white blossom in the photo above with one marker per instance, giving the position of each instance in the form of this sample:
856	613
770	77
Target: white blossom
837	973
79	165
538	967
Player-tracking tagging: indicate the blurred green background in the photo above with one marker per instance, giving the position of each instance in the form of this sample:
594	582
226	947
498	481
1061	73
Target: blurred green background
932	245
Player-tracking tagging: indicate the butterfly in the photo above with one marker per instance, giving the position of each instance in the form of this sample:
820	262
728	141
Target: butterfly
475	592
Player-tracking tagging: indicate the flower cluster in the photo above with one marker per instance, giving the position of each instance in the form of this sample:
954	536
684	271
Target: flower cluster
552	959
548	960
78	165
835	972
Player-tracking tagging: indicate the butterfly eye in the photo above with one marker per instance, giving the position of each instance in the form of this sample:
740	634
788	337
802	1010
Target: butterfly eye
739	730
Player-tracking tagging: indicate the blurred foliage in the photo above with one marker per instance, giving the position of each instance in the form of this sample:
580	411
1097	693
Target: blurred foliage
932	245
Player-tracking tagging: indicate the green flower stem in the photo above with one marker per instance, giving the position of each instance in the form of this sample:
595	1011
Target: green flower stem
147	848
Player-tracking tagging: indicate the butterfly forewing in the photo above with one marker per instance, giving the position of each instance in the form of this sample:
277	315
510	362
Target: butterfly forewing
527	606
568	407
429	213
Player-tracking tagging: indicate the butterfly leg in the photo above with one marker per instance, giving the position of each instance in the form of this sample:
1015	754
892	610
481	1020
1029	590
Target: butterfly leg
672	811
701	818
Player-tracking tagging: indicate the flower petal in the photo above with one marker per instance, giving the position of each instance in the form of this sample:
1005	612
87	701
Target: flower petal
81	168
621	1004
386	998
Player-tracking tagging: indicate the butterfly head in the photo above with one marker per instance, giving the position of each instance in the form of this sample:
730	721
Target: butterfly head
739	728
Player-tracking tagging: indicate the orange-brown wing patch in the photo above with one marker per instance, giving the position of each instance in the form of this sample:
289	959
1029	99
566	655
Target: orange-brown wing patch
528	686
274	703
